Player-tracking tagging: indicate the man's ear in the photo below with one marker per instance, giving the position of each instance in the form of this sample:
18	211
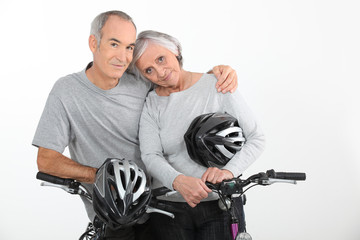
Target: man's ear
92	43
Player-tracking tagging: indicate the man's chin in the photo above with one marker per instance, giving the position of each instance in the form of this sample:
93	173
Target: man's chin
118	74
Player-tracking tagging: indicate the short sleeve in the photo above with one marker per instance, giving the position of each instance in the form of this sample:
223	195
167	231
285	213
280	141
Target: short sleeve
53	131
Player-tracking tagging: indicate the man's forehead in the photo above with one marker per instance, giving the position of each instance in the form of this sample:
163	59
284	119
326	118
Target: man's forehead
118	22
118	28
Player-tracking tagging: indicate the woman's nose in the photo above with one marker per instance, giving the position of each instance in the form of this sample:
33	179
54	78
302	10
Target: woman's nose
161	72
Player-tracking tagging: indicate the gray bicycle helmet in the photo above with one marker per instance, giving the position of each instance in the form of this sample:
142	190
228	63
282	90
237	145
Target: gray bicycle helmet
212	139
121	193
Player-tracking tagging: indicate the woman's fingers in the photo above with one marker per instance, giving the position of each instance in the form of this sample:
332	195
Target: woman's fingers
216	175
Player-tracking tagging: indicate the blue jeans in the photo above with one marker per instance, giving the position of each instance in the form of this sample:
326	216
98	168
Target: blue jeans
204	222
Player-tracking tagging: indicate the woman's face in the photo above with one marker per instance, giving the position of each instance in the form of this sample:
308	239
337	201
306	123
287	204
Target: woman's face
159	65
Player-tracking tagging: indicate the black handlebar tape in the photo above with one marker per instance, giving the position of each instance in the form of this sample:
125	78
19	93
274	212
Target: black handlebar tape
212	186
160	191
53	179
287	175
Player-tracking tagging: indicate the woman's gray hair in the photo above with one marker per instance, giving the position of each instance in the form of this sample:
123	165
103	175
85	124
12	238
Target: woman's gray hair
100	20
145	38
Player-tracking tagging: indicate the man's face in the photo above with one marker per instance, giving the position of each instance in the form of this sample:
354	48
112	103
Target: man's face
115	52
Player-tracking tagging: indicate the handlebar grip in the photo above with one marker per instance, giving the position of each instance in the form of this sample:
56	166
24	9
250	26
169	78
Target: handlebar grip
212	186
286	175
53	179
160	191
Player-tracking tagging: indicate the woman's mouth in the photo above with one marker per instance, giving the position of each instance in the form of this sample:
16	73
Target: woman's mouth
167	77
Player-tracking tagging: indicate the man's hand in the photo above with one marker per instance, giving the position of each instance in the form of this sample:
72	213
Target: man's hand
216	175
192	189
227	78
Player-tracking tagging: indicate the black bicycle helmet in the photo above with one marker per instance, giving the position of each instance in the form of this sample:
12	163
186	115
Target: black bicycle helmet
121	193
212	139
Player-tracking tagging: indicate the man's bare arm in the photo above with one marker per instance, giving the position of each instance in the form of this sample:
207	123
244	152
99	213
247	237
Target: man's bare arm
54	163
227	78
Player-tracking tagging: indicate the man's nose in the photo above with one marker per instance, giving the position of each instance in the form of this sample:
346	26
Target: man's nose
121	55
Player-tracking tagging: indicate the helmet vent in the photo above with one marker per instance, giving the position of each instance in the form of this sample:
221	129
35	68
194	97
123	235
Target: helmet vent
132	174
137	184
123	180
110	170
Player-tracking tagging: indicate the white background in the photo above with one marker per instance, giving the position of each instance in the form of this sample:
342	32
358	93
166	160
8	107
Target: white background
298	68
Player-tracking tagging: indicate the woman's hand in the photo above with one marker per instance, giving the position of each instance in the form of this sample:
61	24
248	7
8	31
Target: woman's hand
192	189
227	78
216	175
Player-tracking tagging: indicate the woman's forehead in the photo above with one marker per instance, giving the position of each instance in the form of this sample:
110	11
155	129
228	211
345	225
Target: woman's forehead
153	51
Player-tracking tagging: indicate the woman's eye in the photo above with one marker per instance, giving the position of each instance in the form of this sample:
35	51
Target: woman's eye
161	59
148	71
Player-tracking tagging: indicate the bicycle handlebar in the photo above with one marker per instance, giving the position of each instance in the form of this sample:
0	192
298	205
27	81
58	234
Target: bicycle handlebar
53	179
226	188
69	185
74	187
286	175
236	185
160	191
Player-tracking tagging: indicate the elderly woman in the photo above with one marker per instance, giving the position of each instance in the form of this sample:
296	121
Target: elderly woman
178	97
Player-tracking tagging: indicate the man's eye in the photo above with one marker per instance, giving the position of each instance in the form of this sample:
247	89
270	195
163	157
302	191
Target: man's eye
161	59
114	44
148	70
131	48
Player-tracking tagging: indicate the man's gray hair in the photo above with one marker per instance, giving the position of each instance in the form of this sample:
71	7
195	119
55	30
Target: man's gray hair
145	38
100	20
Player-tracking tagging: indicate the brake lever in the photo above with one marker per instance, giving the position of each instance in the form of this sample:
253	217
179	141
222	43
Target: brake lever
270	181
65	188
155	210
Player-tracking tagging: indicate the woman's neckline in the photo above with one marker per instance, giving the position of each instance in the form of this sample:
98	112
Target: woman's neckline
194	78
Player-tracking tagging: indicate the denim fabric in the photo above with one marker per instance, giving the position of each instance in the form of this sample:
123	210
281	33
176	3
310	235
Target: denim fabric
204	222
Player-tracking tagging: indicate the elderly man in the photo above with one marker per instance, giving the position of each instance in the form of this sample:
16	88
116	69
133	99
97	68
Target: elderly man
96	112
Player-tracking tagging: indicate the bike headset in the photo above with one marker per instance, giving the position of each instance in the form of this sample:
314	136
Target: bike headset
212	139
121	193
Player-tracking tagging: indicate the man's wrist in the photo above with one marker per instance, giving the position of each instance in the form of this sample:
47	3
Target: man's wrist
90	175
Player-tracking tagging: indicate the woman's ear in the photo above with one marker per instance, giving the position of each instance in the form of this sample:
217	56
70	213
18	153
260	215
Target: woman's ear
179	58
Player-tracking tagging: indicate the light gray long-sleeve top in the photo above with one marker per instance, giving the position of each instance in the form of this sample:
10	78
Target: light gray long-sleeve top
165	119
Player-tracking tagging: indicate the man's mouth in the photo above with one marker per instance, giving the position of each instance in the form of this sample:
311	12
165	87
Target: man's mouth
119	66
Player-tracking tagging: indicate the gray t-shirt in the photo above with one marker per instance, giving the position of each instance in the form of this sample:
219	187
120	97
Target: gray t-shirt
165	120
94	123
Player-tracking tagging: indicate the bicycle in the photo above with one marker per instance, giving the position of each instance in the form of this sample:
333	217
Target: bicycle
95	230
227	190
